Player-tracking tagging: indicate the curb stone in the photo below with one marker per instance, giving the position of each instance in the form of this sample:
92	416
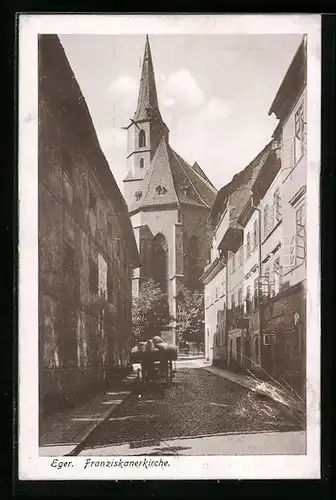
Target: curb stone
106	415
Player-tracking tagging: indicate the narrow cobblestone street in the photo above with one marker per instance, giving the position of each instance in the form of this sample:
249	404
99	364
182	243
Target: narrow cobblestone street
198	404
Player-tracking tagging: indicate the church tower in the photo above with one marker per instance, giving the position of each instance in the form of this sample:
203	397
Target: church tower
145	130
169	200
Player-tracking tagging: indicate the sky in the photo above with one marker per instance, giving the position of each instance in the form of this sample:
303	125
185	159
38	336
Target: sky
214	93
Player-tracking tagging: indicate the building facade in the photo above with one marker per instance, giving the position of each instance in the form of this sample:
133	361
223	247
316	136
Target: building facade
285	316
262	246
168	200
223	278
87	249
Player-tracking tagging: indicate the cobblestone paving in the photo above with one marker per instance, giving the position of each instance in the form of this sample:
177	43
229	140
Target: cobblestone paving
198	403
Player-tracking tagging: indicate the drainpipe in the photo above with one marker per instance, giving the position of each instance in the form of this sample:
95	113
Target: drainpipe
259	259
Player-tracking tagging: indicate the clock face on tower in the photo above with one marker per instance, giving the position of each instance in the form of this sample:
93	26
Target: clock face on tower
165	247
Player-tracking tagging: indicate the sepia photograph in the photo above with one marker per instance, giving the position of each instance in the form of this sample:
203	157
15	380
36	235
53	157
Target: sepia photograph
168	209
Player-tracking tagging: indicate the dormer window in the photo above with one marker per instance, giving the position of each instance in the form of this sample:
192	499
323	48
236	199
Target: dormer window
142	163
161	189
142	139
138	195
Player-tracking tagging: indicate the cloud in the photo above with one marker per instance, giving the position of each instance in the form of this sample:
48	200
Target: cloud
123	86
181	88
217	109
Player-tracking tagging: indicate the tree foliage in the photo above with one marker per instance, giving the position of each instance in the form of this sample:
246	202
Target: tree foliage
190	315
150	311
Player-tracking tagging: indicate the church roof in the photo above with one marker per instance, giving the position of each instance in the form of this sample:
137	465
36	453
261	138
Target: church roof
198	169
171	180
148	107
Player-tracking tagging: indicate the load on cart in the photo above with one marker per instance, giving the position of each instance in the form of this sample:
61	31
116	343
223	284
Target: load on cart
155	361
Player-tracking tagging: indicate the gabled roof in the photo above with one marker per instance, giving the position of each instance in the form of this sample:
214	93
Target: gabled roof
292	84
245	177
170	179
59	88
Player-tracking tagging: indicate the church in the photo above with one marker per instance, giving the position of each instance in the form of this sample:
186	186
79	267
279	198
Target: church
169	201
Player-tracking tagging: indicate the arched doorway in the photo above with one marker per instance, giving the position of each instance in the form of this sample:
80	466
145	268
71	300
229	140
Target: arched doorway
160	261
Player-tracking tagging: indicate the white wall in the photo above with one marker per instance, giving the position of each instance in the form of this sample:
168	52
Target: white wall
214	296
294	179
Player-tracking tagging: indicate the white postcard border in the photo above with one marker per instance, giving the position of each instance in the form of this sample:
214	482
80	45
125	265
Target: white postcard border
33	467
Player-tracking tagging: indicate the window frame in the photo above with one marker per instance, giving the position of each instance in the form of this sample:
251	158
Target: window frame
248	245
300	207
299	132
142	138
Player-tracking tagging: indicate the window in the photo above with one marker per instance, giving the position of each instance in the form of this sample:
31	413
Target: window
142	139
232	301
118	247
222	288
241	256
92	200
161	189
248	299
159	261
69	257
300	232
93	277
240	297
248	245
299	146
142	163
266	271
277	206
194	269
266	220
110	284
69	269
138	195
109	229
255	234
256	293
233	263
277	275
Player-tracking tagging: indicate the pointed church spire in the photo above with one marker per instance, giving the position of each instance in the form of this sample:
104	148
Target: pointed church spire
148	105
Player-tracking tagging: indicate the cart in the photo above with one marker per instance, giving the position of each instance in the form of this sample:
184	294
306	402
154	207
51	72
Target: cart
155	368
161	371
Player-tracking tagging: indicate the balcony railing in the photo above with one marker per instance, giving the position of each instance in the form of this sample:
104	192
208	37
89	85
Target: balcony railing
266	288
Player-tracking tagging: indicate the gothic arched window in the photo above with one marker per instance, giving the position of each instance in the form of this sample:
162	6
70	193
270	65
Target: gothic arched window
160	261
142	139
194	271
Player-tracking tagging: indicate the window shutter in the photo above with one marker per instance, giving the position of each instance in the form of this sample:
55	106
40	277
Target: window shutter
287	154
288	253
